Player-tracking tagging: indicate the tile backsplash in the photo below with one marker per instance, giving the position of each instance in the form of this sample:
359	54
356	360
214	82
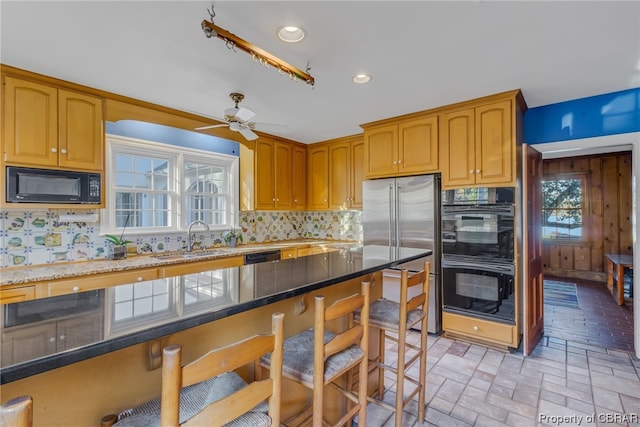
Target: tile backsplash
39	237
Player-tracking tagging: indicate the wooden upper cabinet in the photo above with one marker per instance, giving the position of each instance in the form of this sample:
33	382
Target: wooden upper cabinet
299	177
274	172
381	151
318	177
81	132
50	127
405	147
339	175
357	172
477	146
495	146
418	145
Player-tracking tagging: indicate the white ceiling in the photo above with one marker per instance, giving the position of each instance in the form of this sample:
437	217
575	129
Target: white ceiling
422	54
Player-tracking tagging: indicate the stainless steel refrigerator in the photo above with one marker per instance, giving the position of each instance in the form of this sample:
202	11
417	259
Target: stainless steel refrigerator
406	212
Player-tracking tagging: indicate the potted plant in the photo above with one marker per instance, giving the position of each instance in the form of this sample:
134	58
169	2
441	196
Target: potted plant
118	246
232	237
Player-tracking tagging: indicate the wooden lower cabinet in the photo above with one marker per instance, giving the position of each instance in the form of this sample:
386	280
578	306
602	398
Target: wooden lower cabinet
23	343
120	380
495	333
23	293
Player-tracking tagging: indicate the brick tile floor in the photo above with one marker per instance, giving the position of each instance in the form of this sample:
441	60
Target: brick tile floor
582	372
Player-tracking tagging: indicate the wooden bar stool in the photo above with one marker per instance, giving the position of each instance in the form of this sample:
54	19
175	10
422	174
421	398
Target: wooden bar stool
17	412
318	357
208	391
385	317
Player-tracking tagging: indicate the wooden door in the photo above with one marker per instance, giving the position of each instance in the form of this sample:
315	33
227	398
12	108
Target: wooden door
418	146
381	151
265	174
494	144
81	132
339	175
30	123
299	177
457	148
283	175
532	250
318	177
357	172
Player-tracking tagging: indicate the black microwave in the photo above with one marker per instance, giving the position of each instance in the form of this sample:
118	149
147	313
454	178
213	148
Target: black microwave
26	185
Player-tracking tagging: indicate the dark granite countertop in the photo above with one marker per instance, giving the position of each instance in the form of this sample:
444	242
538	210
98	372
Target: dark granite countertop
195	299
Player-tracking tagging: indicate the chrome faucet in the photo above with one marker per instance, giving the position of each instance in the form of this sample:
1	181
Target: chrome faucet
189	237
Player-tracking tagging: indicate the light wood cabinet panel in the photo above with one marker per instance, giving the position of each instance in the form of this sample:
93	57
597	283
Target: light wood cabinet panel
418	145
24	293
477	146
405	147
318	177
457	148
299	177
81	132
30	123
483	330
50	127
200	266
339	175
357	172
381	151
99	281
289	253
495	147
274	174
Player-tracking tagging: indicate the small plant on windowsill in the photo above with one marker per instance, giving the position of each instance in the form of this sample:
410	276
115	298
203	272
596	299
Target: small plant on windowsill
232	237
118	246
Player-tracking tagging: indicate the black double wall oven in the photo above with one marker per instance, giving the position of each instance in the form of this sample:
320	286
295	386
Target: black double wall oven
478	255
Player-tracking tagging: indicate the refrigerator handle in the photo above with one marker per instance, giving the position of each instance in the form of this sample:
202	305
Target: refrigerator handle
397	216
391	215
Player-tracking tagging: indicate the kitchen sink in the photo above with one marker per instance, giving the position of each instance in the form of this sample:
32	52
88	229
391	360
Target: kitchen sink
188	255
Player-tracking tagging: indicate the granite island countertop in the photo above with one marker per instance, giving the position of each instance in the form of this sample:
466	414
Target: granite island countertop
206	297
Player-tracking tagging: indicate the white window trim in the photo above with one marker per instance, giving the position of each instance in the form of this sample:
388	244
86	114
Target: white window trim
175	177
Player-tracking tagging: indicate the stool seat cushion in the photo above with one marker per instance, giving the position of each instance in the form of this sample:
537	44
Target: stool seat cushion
297	358
385	313
193	399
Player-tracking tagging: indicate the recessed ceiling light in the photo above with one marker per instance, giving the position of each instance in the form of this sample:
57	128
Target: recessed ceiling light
361	78
291	34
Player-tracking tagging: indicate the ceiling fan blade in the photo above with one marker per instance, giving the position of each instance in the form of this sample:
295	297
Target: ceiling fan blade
244	114
270	127
248	134
231	112
212	126
234	126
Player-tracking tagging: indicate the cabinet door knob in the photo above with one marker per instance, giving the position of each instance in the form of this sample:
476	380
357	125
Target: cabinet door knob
399	161
52	339
63	151
477	170
62	337
475	328
273	200
76	289
140	279
54	150
471	171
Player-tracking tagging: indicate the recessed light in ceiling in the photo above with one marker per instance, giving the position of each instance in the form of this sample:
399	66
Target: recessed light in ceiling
291	34
361	78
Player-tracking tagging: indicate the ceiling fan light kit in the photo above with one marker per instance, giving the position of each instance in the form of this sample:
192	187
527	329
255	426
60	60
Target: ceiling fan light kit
237	119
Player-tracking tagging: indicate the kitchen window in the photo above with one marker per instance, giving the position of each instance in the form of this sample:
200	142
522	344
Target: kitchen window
162	188
563	205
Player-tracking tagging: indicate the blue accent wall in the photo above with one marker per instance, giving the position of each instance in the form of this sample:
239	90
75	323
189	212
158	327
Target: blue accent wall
608	114
172	136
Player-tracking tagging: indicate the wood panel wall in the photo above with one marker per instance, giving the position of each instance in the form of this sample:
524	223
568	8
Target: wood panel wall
607	220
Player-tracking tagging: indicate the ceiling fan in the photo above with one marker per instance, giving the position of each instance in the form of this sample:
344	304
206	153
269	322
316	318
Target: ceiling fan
237	118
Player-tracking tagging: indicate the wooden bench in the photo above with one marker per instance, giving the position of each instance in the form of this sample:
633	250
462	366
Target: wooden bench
615	272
